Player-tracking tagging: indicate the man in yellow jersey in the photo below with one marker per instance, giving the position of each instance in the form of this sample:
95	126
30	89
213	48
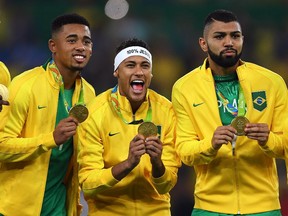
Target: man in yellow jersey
38	167
230	125
121	171
5	80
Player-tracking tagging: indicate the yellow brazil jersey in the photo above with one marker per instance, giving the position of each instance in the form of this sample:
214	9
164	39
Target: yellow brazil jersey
225	180
104	140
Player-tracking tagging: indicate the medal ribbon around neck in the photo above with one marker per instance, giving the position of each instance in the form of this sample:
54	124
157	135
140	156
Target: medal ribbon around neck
115	104
58	78
231	109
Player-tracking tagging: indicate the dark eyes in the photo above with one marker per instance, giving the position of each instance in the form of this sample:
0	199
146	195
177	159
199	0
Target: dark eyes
235	36
88	42
144	66
72	41
221	36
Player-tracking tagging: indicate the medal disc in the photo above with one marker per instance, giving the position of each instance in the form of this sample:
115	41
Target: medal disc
80	112
148	129
239	124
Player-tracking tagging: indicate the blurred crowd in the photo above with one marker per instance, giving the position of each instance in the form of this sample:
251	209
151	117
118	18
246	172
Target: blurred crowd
171	28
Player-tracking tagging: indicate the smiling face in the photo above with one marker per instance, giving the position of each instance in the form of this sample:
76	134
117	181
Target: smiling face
223	42
134	76
71	47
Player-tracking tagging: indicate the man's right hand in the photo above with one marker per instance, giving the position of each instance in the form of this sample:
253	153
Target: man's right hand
64	130
222	135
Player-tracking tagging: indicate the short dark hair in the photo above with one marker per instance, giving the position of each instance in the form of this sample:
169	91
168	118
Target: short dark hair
132	42
220	15
65	19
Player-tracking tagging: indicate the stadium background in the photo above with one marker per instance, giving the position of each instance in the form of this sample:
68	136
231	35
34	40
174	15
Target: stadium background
171	28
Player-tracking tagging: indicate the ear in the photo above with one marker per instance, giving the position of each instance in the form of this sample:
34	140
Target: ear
52	45
115	74
203	44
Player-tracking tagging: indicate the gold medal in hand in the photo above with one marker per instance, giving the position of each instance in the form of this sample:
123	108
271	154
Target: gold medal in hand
80	112
148	129
239	124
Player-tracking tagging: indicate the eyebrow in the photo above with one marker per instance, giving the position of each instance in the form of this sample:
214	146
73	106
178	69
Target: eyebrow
233	32
132	61
75	35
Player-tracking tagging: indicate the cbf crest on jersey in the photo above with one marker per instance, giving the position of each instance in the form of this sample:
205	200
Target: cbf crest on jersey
259	100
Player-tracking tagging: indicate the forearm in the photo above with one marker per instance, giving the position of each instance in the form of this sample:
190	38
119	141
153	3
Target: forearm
274	146
167	181
23	149
158	169
121	170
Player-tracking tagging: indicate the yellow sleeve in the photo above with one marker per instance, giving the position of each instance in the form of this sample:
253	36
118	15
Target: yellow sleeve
5	77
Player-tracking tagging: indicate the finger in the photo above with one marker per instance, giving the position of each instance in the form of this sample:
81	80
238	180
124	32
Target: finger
261	126
224	137
150	146
70	129
153	151
258	136
138	137
72	119
3	102
152	138
226	134
137	146
69	134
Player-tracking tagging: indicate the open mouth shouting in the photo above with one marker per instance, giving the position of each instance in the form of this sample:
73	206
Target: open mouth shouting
137	86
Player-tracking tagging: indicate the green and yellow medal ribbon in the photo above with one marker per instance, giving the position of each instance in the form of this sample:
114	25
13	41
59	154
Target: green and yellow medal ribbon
115	104
58	78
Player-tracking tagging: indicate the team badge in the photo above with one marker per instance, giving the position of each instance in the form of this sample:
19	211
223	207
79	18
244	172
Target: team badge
259	100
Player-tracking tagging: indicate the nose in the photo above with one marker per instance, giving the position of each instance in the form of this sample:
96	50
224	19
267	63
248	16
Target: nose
80	46
228	41
139	70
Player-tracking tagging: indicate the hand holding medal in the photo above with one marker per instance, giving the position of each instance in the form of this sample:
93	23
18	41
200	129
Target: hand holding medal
148	129
239	124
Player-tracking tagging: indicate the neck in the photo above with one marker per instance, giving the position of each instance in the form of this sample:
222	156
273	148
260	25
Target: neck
219	70
69	81
68	77
135	105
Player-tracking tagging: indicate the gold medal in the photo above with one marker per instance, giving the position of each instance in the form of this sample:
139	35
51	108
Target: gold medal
80	112
239	124
148	129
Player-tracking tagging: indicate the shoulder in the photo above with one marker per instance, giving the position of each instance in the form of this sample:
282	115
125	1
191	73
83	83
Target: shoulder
5	78
256	67
88	87
262	72
27	78
185	80
29	74
157	99
101	101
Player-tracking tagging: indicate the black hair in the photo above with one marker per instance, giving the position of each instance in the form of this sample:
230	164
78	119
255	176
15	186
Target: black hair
220	15
65	19
132	42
